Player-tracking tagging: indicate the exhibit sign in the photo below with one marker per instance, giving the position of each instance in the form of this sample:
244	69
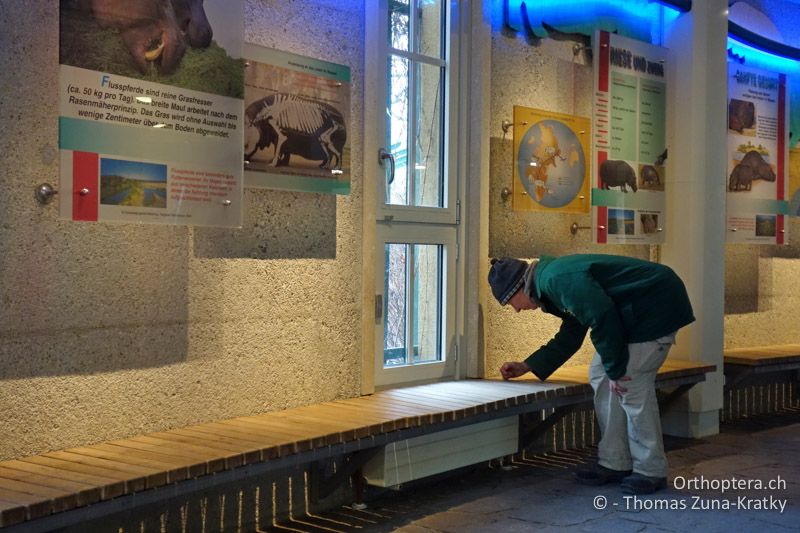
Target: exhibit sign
794	182
551	167
150	112
629	141
297	112
757	156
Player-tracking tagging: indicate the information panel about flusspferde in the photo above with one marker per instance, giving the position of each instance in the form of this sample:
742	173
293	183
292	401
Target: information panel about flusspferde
150	106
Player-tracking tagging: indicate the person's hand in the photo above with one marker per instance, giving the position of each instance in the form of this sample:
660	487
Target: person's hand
513	369
616	388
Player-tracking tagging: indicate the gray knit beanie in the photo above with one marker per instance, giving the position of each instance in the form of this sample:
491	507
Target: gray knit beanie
506	277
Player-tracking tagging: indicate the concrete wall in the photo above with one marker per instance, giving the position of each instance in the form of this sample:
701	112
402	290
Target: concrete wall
543	76
108	330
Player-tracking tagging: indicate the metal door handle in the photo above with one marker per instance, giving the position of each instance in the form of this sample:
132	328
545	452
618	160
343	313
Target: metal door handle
384	154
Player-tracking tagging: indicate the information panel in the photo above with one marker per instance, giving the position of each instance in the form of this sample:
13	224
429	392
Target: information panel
757	156
630	151
150	105
297	114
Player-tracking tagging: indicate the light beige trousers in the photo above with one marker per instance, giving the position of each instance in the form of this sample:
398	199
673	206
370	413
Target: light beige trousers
630	425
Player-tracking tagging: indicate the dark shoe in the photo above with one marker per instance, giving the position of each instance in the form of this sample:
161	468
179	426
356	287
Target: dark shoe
596	474
641	484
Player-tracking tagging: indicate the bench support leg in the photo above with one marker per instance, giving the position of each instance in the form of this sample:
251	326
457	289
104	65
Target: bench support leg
733	378
529	436
797	388
359	484
350	467
673	396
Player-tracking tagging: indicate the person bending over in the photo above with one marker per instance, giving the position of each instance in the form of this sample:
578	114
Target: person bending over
634	309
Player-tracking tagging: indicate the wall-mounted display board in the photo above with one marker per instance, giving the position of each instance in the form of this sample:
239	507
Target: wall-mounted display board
757	156
296	120
794	182
551	164
629	140
150	105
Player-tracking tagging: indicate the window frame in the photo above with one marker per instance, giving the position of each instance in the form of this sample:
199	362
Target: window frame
419	234
410	224
447	214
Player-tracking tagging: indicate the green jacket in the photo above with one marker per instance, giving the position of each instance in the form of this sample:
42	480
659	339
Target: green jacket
621	299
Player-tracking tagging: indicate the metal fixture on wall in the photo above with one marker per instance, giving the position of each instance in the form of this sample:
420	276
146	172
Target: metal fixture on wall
507	125
574	227
44	193
505	194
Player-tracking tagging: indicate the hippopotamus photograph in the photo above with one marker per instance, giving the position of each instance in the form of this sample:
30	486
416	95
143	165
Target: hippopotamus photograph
617	173
741	115
752	167
167	41
154	30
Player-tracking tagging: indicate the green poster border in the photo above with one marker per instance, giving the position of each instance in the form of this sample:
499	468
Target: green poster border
288	182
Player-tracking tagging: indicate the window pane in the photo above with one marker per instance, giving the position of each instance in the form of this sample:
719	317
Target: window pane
424	185
429	28
412	299
397	131
394	305
398	24
427	303
428	183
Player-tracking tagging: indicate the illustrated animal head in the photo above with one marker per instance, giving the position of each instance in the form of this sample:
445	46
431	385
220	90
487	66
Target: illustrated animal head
259	132
765	172
649	174
660	159
761	169
252	137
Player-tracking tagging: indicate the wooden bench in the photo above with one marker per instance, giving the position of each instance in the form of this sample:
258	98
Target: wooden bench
761	366
675	375
743	363
73	486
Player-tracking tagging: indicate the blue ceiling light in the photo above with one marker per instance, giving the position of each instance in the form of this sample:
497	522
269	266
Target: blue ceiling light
640	19
684	6
761	52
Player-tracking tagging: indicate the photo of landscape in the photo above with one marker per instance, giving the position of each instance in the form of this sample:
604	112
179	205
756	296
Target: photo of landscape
132	183
620	222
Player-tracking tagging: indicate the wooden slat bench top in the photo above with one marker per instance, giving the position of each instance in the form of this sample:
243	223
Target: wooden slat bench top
672	368
763	355
37	486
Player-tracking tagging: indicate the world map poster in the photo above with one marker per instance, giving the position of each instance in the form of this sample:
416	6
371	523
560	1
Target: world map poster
551	165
